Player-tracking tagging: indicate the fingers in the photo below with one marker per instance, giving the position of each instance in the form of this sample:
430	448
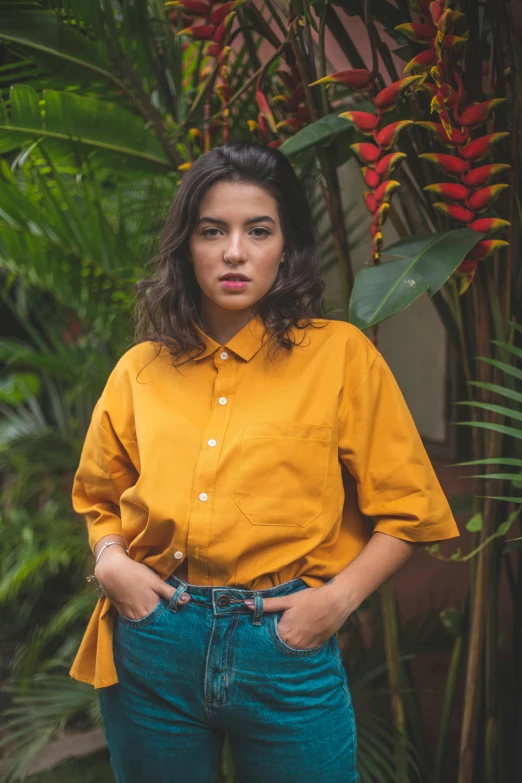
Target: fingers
167	591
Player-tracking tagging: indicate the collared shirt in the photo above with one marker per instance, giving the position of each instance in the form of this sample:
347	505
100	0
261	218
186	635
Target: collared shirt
255	471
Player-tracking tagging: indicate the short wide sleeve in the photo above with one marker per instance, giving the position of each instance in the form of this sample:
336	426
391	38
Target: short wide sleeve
106	468
382	449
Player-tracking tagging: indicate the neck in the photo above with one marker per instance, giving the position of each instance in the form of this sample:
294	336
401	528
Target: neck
221	324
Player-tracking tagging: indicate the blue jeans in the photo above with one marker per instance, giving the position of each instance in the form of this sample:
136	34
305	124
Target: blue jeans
189	674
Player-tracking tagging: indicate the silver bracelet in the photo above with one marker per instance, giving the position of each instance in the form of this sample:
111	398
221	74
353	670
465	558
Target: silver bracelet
109	543
92	577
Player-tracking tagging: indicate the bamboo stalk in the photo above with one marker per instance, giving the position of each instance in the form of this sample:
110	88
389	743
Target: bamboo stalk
391	641
447	709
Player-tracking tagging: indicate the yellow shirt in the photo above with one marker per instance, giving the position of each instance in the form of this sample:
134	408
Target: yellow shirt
255	471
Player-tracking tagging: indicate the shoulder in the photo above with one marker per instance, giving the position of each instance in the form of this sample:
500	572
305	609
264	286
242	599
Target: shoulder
132	361
346	338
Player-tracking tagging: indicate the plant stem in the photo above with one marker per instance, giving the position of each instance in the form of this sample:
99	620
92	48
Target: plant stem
391	641
449	699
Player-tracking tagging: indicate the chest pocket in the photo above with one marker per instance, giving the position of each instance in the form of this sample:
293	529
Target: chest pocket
282	472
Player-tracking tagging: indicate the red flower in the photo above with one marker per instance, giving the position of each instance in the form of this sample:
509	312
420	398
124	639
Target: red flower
387	98
367	152
483	198
487	225
474	178
387	137
451	190
455	211
389	163
356	77
450	164
478	148
363	120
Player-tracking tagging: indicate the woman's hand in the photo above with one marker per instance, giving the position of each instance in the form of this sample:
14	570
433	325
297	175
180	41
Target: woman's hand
310	617
133	588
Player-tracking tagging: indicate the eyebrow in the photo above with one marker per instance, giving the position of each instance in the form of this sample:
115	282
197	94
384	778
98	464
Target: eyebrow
259	219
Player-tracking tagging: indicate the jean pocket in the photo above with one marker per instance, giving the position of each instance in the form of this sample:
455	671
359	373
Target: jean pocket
273	620
149	618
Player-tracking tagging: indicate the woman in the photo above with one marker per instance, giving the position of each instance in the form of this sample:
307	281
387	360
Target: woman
225	476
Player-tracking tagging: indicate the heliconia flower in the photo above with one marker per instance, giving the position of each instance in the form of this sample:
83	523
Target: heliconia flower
303	113
474	178
386	189
387	137
263	127
468	266
219	32
195	133
194	7
200	32
389	163
380	214
487	225
264	108
214	49
276	143
358	78
287	99
415	31
478	148
455	211
367	152
485	196
218	14
184	166
446	123
451	190
457	137
370	201
477	113
386	98
420	62
435	11
449	164
363	120
371	177
485	248
292	124
449	41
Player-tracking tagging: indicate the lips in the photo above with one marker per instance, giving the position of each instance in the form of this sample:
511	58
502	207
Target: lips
235	277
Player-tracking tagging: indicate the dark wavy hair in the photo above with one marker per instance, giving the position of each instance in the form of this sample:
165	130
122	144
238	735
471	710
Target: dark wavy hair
167	307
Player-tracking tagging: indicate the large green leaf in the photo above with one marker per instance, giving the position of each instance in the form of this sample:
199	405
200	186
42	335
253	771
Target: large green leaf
321	132
79	123
41	32
425	264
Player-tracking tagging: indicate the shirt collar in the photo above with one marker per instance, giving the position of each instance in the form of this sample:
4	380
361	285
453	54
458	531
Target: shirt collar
246	343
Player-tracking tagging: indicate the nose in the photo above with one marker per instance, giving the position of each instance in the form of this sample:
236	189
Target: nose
234	251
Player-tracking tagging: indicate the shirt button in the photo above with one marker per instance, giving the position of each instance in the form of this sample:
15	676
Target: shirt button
222	400
223	355
178	555
211	442
203	496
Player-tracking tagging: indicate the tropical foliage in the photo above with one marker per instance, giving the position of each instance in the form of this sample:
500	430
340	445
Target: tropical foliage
104	105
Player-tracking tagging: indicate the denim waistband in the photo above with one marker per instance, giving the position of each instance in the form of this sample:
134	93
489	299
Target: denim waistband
225	600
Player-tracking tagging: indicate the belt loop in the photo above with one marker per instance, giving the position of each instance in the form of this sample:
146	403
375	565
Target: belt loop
173	603
258	610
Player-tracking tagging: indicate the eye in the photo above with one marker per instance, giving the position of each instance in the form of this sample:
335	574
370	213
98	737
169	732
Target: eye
205	232
259	228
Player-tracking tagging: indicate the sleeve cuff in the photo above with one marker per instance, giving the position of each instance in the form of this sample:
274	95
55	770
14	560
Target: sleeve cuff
420	534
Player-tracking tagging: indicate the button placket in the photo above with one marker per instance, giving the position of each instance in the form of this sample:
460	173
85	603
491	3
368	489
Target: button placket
200	518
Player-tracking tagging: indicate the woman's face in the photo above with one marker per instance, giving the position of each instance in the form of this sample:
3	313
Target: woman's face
238	233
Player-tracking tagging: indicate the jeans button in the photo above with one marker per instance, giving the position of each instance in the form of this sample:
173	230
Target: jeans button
223	600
